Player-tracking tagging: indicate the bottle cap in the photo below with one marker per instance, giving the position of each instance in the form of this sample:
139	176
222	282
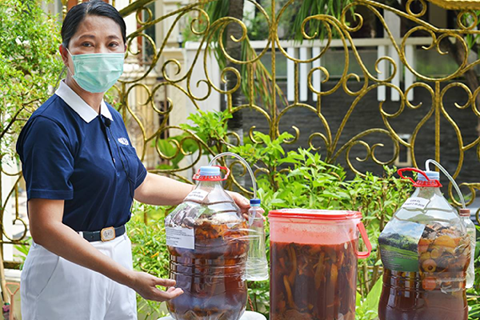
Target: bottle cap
209	171
432	175
255	202
464	212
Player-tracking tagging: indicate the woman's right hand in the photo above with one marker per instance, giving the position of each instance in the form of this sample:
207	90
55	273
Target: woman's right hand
146	286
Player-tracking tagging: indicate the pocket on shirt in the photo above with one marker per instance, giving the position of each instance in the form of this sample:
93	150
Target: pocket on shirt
129	152
39	269
130	155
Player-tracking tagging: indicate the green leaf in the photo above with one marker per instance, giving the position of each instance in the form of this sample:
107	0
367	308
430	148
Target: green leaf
369	307
358	300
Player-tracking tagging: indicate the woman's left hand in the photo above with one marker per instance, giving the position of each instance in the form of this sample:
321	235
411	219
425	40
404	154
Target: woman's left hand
240	200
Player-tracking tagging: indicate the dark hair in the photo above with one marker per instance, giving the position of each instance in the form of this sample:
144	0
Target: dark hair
79	12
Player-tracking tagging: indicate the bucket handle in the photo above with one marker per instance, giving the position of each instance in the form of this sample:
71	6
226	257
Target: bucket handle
363	232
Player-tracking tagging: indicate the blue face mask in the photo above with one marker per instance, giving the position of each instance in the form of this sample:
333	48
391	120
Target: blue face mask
97	72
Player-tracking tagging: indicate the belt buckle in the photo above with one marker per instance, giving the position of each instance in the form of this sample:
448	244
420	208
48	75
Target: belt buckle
107	234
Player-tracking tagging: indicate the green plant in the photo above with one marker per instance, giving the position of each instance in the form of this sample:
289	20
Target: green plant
210	127
473	294
307	182
29	67
266	154
317	28
312	183
23	249
367	308
259	297
170	149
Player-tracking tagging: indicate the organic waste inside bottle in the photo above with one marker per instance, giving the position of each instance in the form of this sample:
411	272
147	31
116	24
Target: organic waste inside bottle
437	290
211	275
313	282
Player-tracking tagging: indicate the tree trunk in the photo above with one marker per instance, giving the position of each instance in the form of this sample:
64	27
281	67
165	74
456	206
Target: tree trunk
234	50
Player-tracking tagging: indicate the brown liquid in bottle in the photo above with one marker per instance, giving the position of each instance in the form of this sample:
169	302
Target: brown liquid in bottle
403	297
211	276
313	282
437	291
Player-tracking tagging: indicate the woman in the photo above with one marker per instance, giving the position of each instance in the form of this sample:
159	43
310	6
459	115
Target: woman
82	174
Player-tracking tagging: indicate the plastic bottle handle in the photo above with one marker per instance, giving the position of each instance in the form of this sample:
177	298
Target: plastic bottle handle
428	183
400	172
198	177
227	174
363	232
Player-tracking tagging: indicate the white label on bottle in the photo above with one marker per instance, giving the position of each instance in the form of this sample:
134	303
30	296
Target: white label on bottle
196	195
415	203
179	237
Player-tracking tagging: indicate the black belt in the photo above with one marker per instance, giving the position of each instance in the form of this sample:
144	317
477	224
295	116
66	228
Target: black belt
106	234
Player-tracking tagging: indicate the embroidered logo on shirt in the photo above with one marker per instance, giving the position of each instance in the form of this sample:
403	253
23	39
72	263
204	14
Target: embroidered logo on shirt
123	141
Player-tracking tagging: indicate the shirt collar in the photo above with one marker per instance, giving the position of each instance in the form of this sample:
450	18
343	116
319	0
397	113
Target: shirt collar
73	100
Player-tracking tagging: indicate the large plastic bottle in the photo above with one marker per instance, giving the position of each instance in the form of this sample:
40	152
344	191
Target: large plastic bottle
471	231
425	252
207	241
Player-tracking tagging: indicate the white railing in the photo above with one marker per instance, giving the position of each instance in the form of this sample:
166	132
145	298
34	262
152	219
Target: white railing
308	49
383	46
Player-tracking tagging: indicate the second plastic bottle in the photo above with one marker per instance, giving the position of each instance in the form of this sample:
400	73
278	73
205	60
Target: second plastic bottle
425	252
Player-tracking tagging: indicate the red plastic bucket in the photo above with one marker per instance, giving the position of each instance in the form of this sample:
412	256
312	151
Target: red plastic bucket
313	256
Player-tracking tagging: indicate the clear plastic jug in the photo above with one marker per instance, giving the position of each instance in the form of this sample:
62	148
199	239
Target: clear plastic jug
425	252
207	238
313	257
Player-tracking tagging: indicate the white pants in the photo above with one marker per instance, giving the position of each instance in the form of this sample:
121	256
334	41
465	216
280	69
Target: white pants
53	288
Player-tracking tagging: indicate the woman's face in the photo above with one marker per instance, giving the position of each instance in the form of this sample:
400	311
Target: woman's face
96	34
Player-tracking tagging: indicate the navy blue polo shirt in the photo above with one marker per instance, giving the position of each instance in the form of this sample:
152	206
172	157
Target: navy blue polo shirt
69	152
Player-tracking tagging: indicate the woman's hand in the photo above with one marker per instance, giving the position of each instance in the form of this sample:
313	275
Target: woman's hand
240	200
146	285
243	203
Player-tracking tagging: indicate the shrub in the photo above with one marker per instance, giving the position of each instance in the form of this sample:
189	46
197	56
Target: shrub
29	66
